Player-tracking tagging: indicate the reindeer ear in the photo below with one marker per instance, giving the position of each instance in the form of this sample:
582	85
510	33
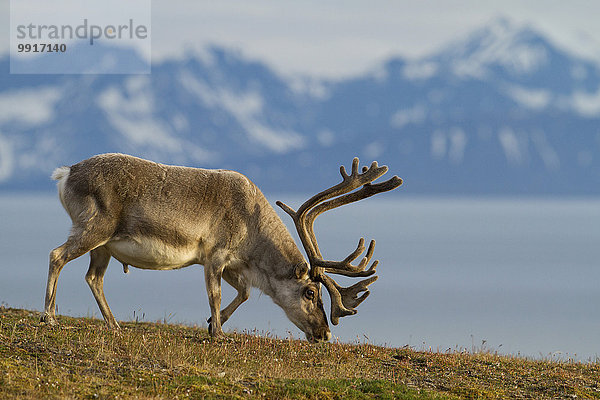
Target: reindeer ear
301	270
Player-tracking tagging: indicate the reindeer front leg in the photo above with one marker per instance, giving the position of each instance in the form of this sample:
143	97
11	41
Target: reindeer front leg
212	277
239	283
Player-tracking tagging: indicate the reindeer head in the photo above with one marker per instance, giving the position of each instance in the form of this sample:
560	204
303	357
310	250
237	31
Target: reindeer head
300	298
343	300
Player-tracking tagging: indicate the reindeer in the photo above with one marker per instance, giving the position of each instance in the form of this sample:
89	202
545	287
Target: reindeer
161	217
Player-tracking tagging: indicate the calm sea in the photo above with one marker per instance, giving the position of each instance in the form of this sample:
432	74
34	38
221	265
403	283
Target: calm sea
518	276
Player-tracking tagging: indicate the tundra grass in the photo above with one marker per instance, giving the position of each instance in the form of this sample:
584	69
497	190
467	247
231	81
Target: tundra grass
81	359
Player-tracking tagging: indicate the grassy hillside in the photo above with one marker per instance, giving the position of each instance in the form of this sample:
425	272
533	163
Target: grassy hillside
82	359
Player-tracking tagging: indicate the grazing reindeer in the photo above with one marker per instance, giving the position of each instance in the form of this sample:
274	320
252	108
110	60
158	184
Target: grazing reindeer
155	216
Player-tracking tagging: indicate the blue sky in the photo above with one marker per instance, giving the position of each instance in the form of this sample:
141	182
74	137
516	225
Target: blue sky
341	38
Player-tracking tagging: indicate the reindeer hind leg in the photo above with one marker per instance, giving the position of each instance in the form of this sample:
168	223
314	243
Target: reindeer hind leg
70	250
92	230
99	259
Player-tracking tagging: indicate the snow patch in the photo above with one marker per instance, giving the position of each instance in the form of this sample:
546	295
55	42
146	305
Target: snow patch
137	83
146	132
438	145
113	99
6	158
586	104
413	115
380	74
512	146
326	138
43	155
180	122
315	88
458	142
547	153
133	116
579	72
31	107
420	70
534	99
498	44
449	144
468	69
246	108
206	55
374	150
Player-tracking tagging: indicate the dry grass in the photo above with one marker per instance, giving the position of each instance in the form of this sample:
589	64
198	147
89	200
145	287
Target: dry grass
82	359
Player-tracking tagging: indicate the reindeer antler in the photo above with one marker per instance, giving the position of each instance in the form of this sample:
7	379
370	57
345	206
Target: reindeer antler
343	300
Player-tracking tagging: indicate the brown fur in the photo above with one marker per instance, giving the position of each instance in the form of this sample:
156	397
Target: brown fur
142	212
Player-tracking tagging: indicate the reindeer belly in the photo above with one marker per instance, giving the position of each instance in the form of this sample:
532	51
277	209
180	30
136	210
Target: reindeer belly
152	253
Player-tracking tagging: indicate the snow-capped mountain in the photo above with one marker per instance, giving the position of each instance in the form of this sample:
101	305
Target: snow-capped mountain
502	111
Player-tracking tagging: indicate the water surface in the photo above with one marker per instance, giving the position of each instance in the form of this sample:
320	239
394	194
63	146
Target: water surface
518	276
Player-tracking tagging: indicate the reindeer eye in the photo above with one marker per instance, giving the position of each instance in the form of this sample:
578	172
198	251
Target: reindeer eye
310	294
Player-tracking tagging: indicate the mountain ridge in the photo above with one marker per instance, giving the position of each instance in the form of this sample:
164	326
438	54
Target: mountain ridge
502	111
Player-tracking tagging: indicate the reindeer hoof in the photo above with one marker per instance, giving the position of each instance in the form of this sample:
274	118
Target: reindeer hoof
49	320
210	328
220	338
114	327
